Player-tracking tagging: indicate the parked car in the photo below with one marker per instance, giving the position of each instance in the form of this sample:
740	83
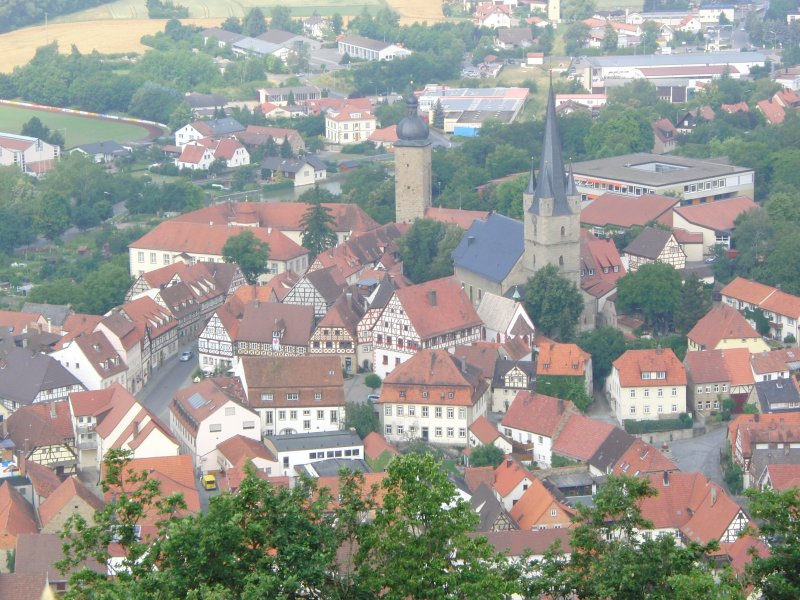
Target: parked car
373	398
209	482
187	356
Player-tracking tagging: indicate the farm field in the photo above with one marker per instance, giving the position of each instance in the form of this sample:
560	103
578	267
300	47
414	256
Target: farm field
79	130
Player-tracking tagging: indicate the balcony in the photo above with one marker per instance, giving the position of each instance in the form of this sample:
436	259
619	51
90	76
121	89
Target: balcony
84	428
87	445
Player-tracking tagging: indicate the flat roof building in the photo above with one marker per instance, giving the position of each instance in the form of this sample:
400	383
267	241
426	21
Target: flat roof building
693	181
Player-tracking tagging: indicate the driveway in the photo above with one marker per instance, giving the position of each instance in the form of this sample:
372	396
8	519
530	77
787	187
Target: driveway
354	389
701	453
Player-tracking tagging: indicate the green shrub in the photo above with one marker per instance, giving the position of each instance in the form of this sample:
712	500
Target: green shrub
634	427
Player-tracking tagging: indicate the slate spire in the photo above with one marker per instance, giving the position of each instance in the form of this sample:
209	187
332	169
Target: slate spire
552	183
531	187
572	189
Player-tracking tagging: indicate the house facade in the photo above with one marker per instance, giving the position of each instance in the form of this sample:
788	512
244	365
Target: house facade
535	420
782	310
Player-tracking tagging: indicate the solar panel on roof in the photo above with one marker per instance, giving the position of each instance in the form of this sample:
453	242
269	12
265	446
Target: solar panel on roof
196	401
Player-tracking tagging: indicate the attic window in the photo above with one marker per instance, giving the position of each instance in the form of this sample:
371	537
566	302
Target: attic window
546	365
424	393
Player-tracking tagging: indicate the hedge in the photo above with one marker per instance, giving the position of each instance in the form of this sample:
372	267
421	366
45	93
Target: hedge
634	427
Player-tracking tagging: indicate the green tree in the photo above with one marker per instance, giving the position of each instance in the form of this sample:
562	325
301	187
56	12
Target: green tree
575	36
576	10
282	19
418	545
250	253
605	344
566	388
286	149
620	132
372	381
655	291
52	216
361	417
427	249
232	24
776	576
695	302
554	303
253	23
318	234
610	559
182	115
438	116
103	289
610	39
486	456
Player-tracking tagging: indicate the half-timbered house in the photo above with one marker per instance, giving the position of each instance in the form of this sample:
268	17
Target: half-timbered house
503	319
511	377
493	516
318	289
299	394
93	360
376	301
215	345
272	329
432	315
160	327
337	333
654	245
42	433
132	344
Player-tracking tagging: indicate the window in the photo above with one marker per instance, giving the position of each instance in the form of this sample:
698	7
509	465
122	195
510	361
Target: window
249	425
699	389
647	409
320	415
215	427
230	411
166	259
293	415
424	412
402	393
400	411
716	404
412	411
553	512
388	429
660	409
633	393
716	388
462	413
660	393
266	397
400	430
281	415
141	257
450	432
387	410
437	432
153	258
674	408
318	396
633	409
674	391
438	412
385	360
334	416
424	393
646	392
292	396
462	432
724	387
451	413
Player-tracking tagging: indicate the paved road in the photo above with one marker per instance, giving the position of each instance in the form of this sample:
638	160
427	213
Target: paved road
355	390
701	454
172	376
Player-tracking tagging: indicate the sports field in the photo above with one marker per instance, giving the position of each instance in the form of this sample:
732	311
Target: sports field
75	129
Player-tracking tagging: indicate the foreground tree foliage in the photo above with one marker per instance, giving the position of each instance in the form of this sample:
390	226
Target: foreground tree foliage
554	303
273	542
247	251
610	560
318	234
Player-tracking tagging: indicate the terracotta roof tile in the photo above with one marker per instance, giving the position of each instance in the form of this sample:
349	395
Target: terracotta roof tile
722	322
773	112
483	429
671	507
375	445
633	363
642	458
43	479
23	586
508	475
483	355
712	516
783	477
741	552
519	542
239	447
16	516
537	413
304	375
720	215
616	210
535	506
66	494
475	476
456	216
561	359
581	437
38	553
260	320
18	322
437	307
41	424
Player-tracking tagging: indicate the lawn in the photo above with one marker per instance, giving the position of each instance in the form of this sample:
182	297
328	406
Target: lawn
79	130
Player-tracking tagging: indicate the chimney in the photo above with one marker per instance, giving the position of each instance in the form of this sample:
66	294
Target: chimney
136	428
269	230
666	478
463	364
659	349
713	495
560	406
22	463
470	240
509	462
53	411
432	297
757	417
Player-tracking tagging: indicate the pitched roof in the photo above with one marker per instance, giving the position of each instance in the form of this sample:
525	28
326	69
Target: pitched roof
633	363
16	515
40	424
649	243
262	319
239	447
497	312
75	325
641	458
491	247
712	516
18	322
722	322
773	112
720	215
714	366
483	355
304	375
485	432
38	553
508	475
329	283
475	476
601	265
23	586
581	437
489	508
23	374
664	130
43	479
375	445
748	291
533	505
536	541
201	400
783	477
109	406
102	356
775	361
456	216
561	359
678	494
437	307
552	182
65	496
537	413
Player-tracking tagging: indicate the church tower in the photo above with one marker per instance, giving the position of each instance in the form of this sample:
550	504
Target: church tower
554	11
552	209
412	162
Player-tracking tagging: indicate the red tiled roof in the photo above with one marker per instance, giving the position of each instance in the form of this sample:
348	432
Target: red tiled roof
641	458
239	447
782	303
720	215
456	216
668	509
482	355
43	479
783	477
715	366
375	445
508	475
722	322
741	552
712	516
627	211
77	324
483	429
40	424
537	413
561	359
581	437
633	362
736	107
16	516
773	112
18	321
192	154
437	307
71	489
687	237
748	291
535	505
771	362
475	476
384	134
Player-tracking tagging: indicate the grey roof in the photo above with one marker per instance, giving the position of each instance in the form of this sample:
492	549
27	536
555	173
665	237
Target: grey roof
55	313
315	441
777	391
504	365
224	126
383	293
649	243
570	480
412	130
222	35
23	374
196	100
491	248
364	42
330	467
39	553
107	147
552	181
675	60
489	508
611	450
292	165
654	170
325	284
256	46
279	37
514	35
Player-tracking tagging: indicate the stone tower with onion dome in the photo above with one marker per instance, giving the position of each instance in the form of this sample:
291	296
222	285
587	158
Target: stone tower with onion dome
412	160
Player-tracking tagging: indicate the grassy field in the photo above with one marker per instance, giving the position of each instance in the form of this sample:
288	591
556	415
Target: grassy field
79	130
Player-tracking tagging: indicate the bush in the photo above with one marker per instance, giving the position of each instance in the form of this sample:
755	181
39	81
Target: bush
372	381
634	427
561	461
789	339
733	475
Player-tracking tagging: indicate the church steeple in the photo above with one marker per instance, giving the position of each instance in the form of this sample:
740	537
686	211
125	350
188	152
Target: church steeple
552	184
572	189
530	189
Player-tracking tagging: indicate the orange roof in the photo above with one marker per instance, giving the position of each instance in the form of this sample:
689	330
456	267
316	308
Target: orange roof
456	216
715	366
683	236
536	504
668	509
633	363
483	355
736	107
77	324
741	552
43	479
720	215
712	516
16	516
641	458
204	238
581	437
610	210
508	475
371	481
778	428
384	134
18	321
783	477
561	359
770	362
71	489
722	322
193	154
782	303
537	413
748	291
773	112
475	476
318	105
239	447
375	445
437	307
483	429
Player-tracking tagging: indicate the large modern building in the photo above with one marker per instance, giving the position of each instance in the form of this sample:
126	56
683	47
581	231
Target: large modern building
465	109
691	180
